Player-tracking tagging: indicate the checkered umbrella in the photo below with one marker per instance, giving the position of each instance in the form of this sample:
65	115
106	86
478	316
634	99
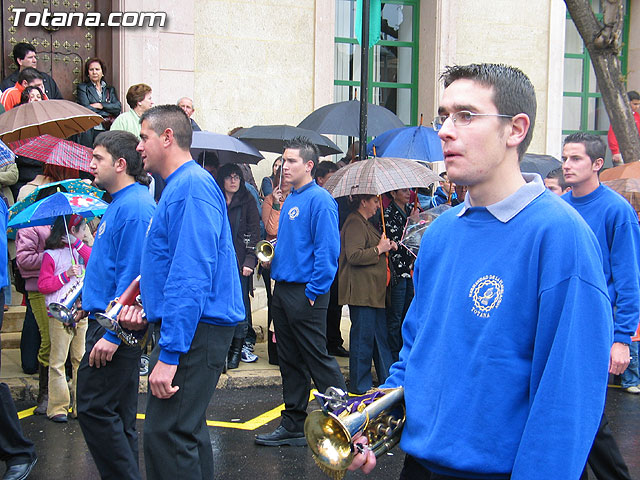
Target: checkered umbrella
378	175
56	151
7	157
629	188
60	118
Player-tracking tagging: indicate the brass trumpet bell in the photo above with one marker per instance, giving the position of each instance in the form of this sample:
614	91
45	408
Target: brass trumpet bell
65	310
265	250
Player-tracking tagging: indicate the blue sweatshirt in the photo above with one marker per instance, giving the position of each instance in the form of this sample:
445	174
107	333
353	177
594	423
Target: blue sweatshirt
115	257
308	240
615	225
189	267
506	314
4	271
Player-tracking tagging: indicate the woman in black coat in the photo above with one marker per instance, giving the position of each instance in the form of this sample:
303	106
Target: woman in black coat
96	95
245	230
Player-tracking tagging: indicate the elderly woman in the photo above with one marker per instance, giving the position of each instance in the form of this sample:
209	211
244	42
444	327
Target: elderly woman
362	284
96	95
245	230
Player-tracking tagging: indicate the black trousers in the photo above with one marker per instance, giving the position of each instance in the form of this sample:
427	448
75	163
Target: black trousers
413	470
605	458
15	448
107	407
176	436
334	314
302	350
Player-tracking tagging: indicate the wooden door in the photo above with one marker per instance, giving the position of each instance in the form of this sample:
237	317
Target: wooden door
62	51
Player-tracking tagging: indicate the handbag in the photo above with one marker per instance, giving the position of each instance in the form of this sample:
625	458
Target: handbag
108	121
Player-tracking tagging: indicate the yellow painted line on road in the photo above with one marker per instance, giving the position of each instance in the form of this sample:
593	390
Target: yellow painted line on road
252	424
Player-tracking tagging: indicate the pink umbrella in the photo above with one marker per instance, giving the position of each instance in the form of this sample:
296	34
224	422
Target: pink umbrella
55	151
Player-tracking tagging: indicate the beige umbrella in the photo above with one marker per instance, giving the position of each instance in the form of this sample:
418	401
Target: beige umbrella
59	118
378	175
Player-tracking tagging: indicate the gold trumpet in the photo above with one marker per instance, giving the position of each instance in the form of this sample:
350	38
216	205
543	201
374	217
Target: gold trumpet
266	249
330	431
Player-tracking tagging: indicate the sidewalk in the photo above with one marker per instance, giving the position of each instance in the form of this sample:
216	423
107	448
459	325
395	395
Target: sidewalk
259	373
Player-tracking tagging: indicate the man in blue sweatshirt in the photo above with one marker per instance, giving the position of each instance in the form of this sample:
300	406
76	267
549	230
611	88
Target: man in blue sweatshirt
108	373
504	364
304	266
615	225
191	293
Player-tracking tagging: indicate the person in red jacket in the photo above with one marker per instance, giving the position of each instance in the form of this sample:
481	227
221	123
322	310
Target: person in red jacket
634	102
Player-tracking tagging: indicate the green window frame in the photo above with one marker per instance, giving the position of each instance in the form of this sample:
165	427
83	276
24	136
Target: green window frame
588	96
374	86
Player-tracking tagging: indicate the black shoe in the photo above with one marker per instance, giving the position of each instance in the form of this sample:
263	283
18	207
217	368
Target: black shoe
338	351
19	472
281	436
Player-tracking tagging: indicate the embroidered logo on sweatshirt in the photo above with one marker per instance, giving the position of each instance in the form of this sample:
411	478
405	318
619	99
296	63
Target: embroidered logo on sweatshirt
102	228
293	213
486	294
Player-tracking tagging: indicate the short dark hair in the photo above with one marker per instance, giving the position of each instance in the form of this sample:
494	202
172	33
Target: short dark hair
24	96
162	117
29	74
308	150
121	144
633	95
558	175
324	168
227	170
353	201
513	92
136	93
103	66
20	50
594	146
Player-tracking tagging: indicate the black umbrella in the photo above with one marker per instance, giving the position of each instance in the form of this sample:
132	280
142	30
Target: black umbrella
271	138
343	118
542	164
227	149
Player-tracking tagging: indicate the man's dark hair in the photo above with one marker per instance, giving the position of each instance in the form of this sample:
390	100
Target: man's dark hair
324	168
20	50
633	95
29	74
103	66
136	93
162	117
308	150
594	146
558	175
513	92
121	144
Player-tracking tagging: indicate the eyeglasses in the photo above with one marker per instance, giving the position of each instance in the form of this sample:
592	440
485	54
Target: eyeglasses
462	118
233	177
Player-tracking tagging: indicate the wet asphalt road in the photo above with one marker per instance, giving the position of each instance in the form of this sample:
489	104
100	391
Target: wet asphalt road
62	452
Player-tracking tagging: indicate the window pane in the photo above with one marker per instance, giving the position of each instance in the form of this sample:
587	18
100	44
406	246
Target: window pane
397	22
571	112
392	64
598	118
573	75
593	83
345	18
572	42
343	93
347	62
398	100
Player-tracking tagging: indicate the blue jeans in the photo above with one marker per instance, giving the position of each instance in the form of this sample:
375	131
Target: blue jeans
401	296
367	341
630	376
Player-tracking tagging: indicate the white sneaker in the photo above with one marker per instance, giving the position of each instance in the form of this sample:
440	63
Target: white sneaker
635	390
247	355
